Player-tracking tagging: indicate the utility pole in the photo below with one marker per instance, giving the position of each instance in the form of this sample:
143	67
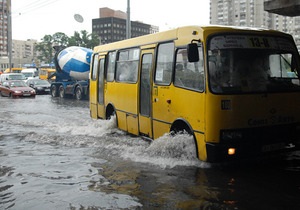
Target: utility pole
9	34
128	23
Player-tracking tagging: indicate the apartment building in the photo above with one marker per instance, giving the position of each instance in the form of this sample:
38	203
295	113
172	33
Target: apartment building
23	52
251	13
4	61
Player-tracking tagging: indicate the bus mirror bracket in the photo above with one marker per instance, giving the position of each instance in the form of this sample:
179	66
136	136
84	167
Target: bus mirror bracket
192	51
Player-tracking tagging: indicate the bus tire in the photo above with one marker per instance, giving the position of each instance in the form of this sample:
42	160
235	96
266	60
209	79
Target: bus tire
61	91
78	93
53	91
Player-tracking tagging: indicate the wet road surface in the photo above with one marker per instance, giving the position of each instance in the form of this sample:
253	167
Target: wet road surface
54	156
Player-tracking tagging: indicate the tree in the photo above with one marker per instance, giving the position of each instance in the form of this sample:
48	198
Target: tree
45	49
84	39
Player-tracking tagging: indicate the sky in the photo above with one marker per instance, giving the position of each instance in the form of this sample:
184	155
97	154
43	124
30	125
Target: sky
33	19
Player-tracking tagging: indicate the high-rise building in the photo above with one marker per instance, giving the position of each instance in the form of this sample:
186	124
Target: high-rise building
111	26
3	28
251	13
4	62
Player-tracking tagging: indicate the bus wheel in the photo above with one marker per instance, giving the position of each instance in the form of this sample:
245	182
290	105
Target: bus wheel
78	93
61	91
53	91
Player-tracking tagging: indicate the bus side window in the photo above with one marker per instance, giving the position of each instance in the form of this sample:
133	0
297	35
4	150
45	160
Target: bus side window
127	65
110	73
189	75
165	55
95	67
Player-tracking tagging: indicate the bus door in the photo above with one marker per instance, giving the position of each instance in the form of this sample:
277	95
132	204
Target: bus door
101	88
145	107
97	87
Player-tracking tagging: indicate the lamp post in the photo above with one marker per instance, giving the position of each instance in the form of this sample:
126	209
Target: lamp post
9	34
128	23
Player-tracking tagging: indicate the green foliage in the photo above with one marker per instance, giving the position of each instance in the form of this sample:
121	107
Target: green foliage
45	51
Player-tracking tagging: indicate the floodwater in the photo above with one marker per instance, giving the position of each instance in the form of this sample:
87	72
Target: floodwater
54	156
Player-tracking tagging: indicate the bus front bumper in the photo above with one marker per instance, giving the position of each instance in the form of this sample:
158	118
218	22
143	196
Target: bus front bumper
235	152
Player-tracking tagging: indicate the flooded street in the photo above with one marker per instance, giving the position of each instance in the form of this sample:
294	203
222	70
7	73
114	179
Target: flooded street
54	156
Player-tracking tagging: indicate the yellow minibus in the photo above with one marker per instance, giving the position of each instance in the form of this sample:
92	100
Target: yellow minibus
13	70
45	73
235	90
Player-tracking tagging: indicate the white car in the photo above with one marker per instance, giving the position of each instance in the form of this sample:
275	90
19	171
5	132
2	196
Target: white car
11	76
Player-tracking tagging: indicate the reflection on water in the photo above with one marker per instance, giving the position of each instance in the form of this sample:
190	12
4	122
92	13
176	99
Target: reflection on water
54	156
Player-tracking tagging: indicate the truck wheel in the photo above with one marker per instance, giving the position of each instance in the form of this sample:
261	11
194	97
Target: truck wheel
61	91
78	93
53	91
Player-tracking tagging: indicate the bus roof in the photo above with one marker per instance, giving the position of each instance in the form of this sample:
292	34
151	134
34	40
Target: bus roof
185	32
15	69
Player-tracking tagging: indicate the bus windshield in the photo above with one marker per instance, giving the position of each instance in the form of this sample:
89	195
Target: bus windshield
245	64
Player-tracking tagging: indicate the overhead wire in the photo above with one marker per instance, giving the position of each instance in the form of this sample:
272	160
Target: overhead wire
32	7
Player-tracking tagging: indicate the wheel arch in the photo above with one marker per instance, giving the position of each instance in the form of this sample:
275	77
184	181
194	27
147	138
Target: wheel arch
180	125
110	111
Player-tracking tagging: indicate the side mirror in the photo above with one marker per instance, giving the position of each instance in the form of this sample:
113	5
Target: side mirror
193	53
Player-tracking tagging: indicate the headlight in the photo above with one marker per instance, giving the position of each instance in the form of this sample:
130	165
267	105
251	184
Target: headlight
39	88
18	91
33	91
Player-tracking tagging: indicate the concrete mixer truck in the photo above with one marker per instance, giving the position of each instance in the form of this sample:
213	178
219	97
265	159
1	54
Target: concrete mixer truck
72	72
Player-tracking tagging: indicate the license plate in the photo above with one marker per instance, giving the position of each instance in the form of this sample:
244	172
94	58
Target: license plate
47	89
26	94
272	147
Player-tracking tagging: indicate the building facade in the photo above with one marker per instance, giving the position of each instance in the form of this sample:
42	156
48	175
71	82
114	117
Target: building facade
4	61
111	26
251	13
23	52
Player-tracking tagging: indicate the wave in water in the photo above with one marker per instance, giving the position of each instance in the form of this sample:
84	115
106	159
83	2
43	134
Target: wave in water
103	136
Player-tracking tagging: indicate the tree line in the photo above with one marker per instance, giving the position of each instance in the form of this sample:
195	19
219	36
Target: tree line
45	50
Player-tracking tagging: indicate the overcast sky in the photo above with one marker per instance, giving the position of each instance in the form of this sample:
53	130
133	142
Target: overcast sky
32	19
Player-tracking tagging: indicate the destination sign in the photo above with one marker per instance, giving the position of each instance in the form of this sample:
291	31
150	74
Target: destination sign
252	42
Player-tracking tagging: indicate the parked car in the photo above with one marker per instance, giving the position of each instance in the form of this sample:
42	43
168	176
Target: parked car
16	88
41	86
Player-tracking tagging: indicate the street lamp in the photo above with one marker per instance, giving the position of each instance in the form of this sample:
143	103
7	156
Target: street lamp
128	23
9	34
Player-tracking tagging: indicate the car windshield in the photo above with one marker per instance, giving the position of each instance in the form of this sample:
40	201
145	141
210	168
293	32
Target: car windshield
16	77
28	74
40	82
19	83
244	64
